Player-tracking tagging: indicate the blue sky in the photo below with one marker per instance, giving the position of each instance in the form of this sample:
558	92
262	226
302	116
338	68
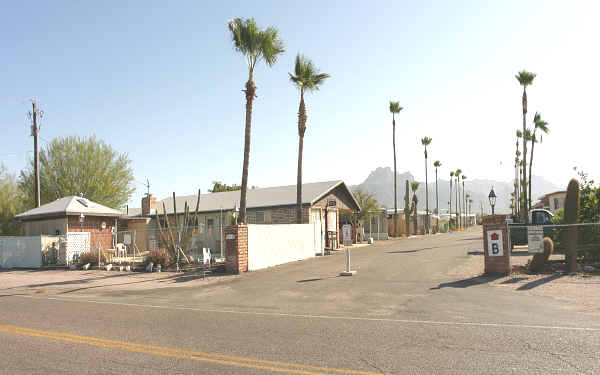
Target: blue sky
162	82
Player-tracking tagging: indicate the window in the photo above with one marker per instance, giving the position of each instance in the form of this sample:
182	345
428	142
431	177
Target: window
210	224
260	217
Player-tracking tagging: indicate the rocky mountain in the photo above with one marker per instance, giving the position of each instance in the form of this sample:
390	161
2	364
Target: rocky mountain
380	183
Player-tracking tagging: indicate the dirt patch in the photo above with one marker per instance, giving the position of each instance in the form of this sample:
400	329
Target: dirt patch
581	290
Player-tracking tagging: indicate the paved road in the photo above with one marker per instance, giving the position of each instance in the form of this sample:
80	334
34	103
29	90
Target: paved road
401	314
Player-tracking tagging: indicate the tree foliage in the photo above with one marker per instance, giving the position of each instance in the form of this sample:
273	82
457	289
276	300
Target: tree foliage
219	187
368	204
73	165
11	203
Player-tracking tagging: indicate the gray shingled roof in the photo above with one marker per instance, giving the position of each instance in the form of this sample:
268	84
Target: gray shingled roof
71	205
260	197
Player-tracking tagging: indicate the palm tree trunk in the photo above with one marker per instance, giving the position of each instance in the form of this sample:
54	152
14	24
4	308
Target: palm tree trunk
250	95
524	211
395	185
530	164
426	197
301	130
464	205
437	200
456	204
450	204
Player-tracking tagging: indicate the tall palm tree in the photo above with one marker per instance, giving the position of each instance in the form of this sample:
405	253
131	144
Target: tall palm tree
437	164
528	138
517	200
256	45
525	79
464	209
467	196
457	176
395	108
426	141
307	78
542	125
450	201
415	186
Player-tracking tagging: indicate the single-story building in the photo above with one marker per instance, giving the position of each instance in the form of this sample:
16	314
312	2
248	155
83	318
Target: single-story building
322	204
552	201
73	214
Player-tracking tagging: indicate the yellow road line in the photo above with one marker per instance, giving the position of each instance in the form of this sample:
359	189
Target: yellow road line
184	354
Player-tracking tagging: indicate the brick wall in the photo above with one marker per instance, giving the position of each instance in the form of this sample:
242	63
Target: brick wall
148	205
236	248
280	215
497	264
93	224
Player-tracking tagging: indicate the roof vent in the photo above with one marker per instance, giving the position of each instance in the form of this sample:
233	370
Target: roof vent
83	201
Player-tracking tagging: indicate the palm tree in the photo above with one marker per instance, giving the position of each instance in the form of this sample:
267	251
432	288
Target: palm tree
467	196
437	164
525	79
450	201
457	176
414	186
542	125
464	203
426	141
307	78
517	201
528	137
395	108
256	45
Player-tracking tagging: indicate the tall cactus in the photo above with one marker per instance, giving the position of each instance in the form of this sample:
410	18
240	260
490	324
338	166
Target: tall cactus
415	186
178	239
407	209
571	217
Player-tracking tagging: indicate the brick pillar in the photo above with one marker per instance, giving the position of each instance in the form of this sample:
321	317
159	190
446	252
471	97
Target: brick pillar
496	247
236	248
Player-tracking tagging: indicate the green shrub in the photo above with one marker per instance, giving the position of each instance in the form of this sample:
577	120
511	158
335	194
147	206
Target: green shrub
160	256
92	257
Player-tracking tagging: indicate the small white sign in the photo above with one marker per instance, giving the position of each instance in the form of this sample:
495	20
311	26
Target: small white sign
535	239
347	233
127	239
494	239
230	237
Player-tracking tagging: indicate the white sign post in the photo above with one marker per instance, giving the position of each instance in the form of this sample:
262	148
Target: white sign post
535	239
347	233
494	240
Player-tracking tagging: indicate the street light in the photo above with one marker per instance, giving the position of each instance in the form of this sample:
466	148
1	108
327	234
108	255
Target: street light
492	198
81	219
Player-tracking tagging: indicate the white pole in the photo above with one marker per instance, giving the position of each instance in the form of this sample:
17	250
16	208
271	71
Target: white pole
347	259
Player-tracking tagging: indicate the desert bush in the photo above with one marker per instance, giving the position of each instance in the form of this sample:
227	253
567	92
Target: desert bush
92	257
161	257
540	259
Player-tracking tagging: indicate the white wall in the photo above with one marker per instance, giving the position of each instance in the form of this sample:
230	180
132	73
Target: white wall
270	245
25	252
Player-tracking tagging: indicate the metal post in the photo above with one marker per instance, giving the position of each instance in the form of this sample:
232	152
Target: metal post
221	229
347	259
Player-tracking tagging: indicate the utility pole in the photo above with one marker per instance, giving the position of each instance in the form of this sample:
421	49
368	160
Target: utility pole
34	133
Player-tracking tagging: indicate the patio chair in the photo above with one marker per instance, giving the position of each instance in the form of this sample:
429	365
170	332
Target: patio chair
121	250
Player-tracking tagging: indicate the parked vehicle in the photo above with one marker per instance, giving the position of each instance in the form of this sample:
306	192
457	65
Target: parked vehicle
518	231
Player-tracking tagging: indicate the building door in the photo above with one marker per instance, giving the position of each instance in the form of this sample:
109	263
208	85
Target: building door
316	220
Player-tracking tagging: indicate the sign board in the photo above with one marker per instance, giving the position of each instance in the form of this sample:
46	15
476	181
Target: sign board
347	233
127	239
332	221
494	240
230	237
535	239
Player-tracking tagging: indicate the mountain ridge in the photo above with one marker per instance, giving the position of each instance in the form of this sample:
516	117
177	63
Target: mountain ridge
380	183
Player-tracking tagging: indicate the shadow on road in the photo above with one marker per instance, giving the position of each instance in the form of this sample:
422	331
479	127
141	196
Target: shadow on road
412	251
514	254
316	279
465	283
536	283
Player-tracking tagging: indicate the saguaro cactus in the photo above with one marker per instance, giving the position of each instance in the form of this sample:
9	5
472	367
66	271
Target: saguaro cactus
571	217
407	208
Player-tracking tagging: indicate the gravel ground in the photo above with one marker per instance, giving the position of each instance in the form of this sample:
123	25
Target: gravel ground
582	290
